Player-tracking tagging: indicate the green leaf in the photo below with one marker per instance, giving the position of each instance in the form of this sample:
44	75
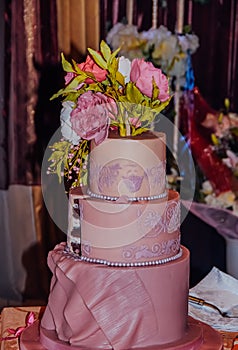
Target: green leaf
66	65
158	108
77	70
133	94
79	79
94	87
113	55
220	117
60	145
120	78
113	68
71	96
105	50
57	94
215	140
155	91
56	155
227	103
98	58
139	131
59	170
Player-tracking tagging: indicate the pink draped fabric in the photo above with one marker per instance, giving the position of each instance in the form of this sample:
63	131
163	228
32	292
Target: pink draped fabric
95	309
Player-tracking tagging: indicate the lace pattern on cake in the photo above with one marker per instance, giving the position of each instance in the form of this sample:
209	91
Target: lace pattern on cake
153	223
110	174
106	175
155	251
156	175
86	248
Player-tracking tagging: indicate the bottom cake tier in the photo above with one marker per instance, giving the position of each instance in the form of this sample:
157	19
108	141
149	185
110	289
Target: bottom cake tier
199	336
93	306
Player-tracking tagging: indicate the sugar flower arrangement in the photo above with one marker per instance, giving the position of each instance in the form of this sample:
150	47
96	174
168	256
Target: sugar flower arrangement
104	92
165	49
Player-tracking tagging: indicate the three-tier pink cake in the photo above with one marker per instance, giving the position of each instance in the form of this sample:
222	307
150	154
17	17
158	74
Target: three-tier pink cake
122	279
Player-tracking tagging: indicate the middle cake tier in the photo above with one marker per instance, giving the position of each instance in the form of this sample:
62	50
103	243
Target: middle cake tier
124	233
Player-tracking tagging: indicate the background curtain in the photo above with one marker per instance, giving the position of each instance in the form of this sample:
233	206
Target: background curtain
33	33
78	26
29	75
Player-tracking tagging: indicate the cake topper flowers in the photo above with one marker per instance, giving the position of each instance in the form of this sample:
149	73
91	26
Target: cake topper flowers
104	92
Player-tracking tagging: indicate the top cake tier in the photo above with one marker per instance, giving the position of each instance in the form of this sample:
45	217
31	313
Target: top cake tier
129	166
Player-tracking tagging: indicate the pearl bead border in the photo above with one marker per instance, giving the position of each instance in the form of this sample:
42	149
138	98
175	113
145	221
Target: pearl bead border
124	264
129	199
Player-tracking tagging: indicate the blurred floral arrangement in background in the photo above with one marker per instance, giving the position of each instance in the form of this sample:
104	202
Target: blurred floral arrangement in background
167	50
224	143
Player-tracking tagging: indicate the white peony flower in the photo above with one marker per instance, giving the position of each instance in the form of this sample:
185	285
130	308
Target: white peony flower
114	33
156	35
120	34
66	126
189	42
124	67
166	49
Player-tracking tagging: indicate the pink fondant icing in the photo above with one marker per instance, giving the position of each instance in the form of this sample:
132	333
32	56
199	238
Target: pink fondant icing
126	232
104	307
99	307
132	166
199	336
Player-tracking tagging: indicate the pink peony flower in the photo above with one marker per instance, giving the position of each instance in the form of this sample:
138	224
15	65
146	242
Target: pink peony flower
142	74
90	119
90	66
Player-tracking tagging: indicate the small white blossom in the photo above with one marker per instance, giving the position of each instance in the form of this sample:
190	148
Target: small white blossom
207	187
124	68
66	126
